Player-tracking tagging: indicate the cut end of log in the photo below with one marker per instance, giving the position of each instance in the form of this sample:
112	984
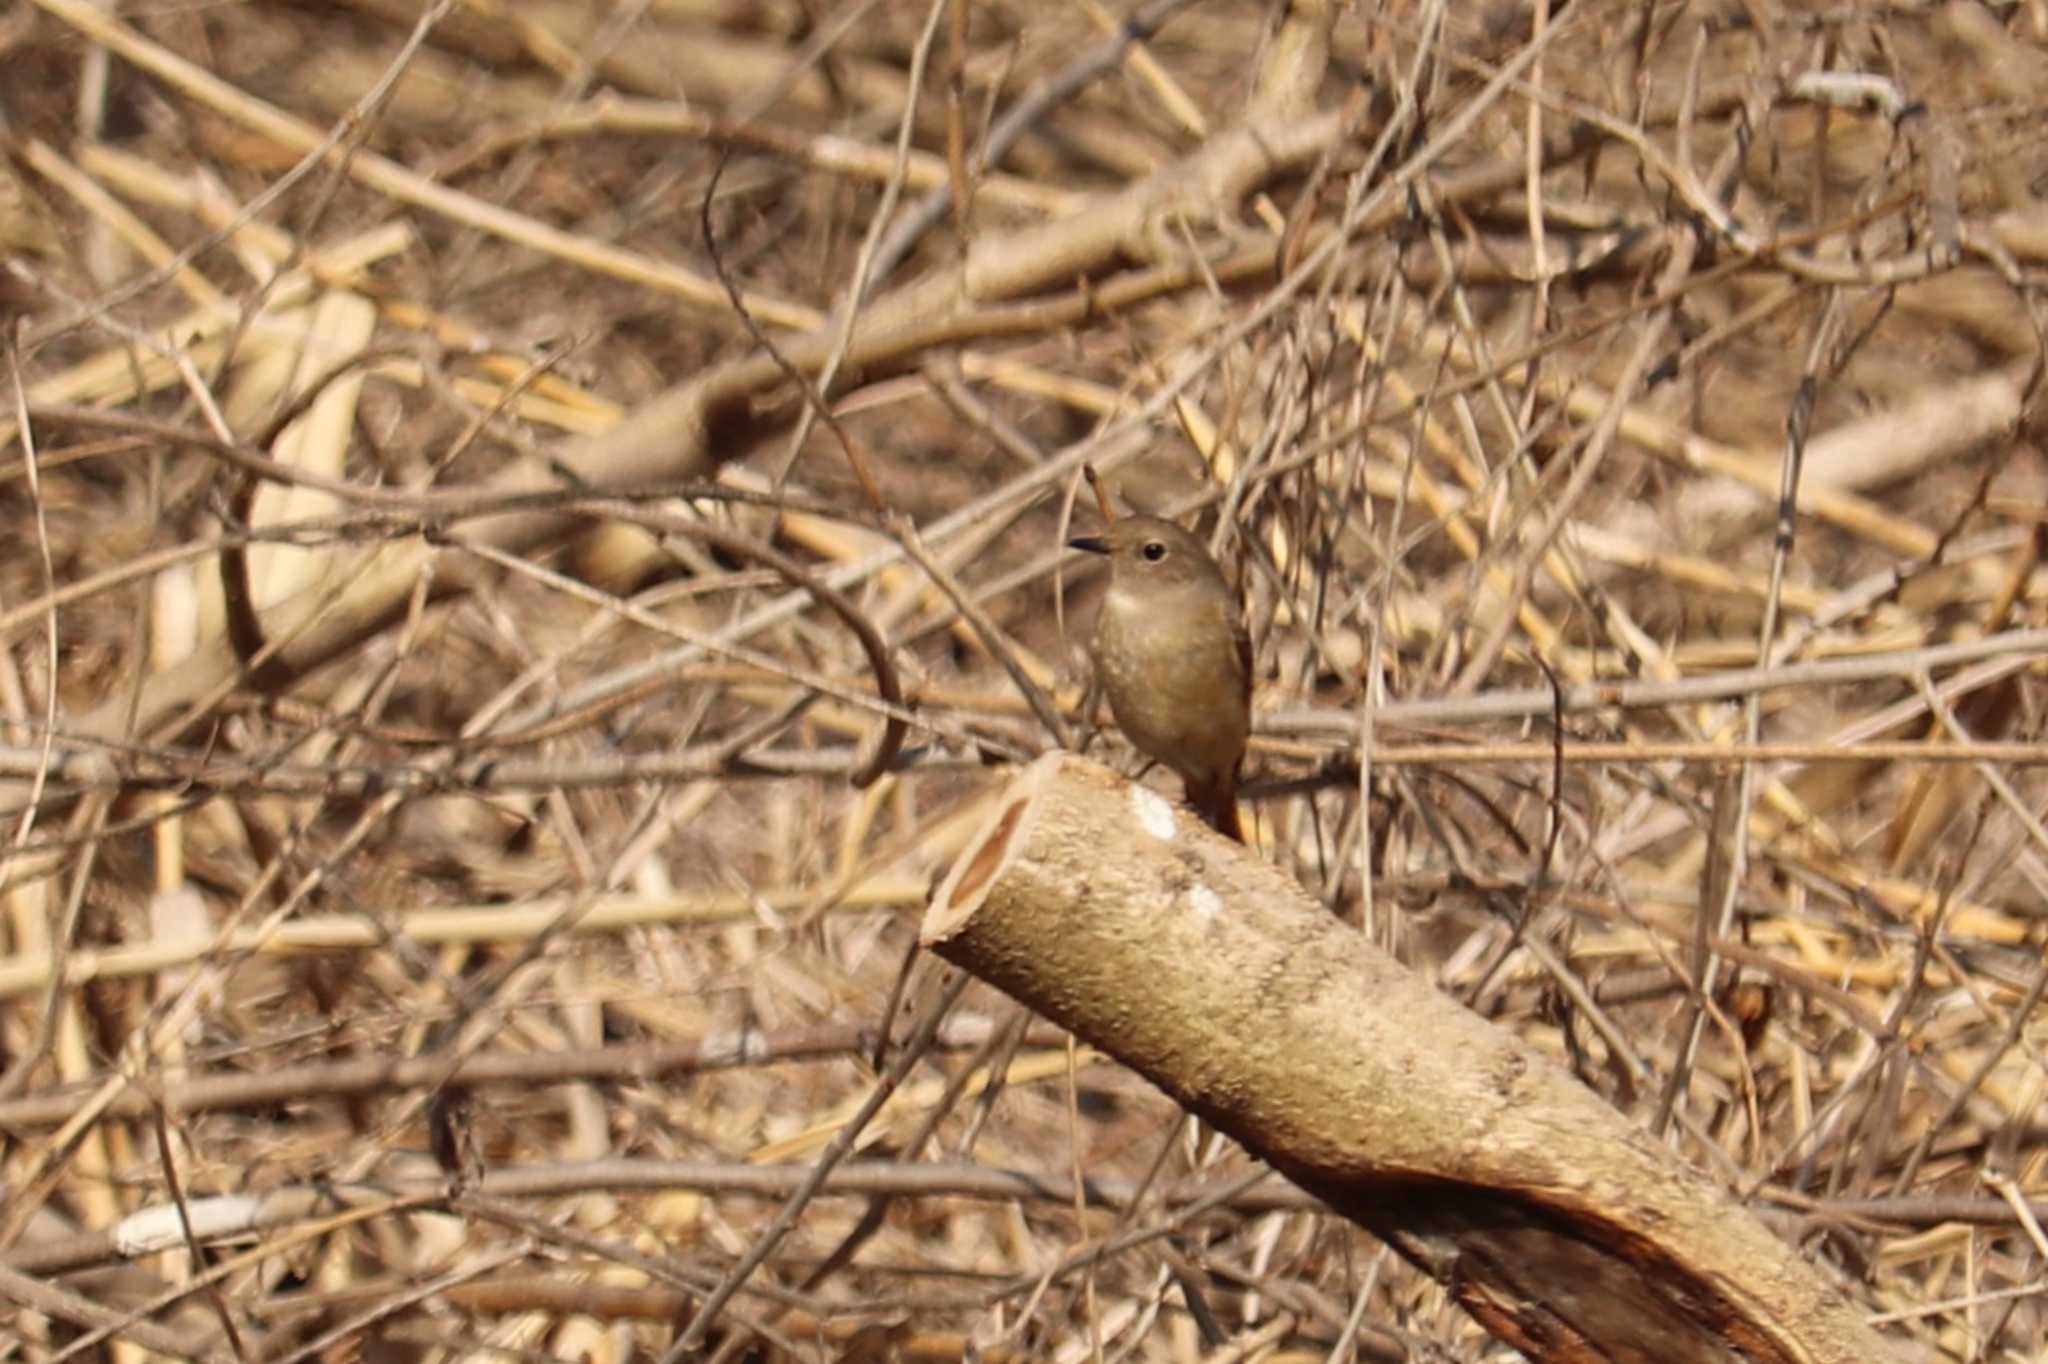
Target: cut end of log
992	845
978	870
1050	778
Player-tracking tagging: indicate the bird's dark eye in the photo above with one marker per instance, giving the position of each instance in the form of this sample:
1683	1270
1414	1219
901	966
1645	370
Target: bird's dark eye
1154	551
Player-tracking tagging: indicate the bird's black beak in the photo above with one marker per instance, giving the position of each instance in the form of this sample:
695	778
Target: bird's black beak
1094	544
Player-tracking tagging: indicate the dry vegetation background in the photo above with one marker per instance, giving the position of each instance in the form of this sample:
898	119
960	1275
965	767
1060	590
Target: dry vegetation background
481	825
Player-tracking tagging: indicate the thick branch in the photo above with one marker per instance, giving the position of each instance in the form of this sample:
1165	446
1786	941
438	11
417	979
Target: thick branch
1564	1229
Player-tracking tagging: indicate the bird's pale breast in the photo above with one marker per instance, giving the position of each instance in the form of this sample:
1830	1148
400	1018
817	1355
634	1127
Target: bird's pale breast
1175	679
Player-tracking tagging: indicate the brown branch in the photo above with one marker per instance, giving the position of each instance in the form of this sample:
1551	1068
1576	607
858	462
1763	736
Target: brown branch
233	1217
62	1304
644	1064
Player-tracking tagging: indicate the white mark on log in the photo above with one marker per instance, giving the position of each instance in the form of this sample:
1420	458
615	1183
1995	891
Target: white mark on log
1206	903
1153	812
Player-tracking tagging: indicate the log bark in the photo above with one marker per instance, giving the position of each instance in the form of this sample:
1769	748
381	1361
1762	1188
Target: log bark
1564	1229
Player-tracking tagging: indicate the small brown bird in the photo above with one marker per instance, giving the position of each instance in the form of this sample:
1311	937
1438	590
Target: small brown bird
1171	651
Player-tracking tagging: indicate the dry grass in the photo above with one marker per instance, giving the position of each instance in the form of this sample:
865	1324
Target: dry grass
560	803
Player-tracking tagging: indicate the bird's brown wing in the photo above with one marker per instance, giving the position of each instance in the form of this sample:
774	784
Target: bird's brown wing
1243	639
1219	807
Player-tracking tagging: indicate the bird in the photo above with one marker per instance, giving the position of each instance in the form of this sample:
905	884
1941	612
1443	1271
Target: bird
1172	654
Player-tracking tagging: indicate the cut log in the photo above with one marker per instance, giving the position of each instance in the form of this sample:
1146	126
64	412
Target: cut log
1563	1228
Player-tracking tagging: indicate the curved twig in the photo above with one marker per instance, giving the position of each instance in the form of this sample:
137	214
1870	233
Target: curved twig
887	684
